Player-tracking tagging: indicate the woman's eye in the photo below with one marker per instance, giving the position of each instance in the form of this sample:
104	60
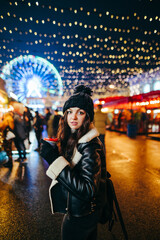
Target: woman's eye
68	112
81	113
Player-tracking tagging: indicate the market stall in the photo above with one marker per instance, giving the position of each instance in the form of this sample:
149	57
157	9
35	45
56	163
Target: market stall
142	110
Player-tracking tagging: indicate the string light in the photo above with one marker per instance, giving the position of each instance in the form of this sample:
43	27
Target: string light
88	13
120	46
94	27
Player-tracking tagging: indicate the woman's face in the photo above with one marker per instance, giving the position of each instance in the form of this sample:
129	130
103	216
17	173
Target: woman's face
75	117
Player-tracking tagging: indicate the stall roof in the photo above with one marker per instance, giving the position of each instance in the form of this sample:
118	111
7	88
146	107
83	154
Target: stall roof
119	100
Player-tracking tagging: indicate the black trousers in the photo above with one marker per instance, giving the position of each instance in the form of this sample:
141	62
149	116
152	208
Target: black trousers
80	228
20	147
38	137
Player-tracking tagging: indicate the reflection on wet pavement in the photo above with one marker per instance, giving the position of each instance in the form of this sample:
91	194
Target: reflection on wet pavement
135	168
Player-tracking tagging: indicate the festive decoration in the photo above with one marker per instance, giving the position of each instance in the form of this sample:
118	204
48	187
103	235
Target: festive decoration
31	77
97	46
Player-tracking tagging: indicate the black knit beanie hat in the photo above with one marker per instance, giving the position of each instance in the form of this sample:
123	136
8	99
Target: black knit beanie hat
81	98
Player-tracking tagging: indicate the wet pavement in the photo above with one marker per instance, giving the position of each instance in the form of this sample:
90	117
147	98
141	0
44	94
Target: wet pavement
135	168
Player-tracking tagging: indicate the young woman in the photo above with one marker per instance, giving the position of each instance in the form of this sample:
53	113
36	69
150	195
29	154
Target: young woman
77	163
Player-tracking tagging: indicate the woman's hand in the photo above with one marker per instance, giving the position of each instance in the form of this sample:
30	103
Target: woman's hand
48	152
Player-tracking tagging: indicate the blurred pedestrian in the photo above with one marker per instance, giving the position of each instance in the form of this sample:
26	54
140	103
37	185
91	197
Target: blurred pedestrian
50	126
20	136
27	117
119	120
144	120
137	118
77	162
55	122
6	126
38	127
100	122
47	116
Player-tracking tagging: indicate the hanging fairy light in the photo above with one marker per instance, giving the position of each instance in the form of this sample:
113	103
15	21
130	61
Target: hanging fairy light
120	47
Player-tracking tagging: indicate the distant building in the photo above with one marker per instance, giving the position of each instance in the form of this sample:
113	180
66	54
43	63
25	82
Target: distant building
145	82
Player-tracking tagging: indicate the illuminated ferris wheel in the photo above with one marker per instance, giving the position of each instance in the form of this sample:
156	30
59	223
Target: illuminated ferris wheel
31	77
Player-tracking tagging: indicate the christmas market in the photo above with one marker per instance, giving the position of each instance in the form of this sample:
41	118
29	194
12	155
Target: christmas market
79	120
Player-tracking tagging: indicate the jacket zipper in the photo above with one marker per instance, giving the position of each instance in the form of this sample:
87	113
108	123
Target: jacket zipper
67	203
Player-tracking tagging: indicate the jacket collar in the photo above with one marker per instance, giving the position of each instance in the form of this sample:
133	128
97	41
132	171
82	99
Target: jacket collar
86	138
89	135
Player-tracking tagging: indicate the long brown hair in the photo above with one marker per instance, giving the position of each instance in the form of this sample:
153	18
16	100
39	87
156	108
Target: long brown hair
67	139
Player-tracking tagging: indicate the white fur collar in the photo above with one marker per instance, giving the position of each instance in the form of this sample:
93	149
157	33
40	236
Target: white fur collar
86	138
90	135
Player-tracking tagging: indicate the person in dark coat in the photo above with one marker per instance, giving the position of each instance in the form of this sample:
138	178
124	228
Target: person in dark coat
76	166
38	127
55	122
20	136
27	118
47	115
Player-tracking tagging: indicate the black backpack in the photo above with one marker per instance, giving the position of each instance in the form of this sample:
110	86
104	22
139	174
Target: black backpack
110	207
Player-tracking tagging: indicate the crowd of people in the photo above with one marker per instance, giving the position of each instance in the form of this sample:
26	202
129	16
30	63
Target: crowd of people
15	129
20	125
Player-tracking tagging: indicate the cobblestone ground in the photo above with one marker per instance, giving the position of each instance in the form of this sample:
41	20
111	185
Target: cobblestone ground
135	168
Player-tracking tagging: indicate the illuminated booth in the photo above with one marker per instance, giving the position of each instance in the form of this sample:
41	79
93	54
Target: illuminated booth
127	110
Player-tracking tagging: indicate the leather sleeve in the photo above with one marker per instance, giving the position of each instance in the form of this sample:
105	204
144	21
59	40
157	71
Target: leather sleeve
82	180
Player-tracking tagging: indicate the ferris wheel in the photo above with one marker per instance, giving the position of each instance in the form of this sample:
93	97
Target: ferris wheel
31	77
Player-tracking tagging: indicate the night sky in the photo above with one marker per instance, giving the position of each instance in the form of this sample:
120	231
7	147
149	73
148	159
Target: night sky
97	43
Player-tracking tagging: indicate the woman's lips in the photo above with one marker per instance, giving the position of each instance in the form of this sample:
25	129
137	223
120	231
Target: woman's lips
74	123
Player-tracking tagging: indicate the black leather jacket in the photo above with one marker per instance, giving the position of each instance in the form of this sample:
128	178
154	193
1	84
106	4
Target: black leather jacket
77	188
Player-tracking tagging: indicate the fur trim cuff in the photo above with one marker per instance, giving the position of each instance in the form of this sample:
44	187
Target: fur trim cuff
56	167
